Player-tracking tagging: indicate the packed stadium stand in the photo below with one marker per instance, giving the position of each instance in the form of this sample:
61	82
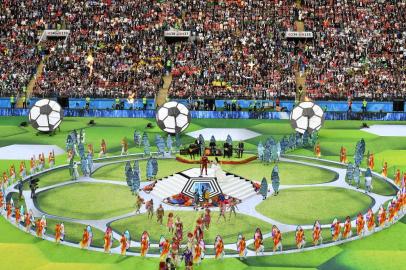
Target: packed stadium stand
236	50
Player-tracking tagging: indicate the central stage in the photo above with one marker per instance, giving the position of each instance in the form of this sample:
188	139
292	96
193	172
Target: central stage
188	181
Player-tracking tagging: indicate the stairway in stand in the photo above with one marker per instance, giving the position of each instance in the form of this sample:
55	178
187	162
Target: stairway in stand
31	84
163	92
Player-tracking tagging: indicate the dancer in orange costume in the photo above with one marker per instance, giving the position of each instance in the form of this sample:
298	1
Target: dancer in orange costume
90	149
38	226
384	172
85	239
300	238
277	238
108	241
12	174
198	252
397	177
219	246
336	230
123	244
371	161
360	223
258	242
382	217
58	234
164	246
391	212
124	146
144	243
317	150
347	231
27	221
317	234
370	217
343	155
17	216
9	210
241	247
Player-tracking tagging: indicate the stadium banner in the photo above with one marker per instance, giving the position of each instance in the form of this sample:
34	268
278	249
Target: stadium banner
294	34
64	34
177	34
379	116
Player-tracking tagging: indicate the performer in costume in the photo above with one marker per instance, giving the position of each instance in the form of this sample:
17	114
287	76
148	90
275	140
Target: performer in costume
123	244
23	171
391	212
164	247
103	149
85	239
170	224
277	238
397	177
160	212
12	174
336	230
62	231
124	147
370	217
207	219
219	247
204	161
300	238
241	247
108	240
385	169
360	223
343	155
27	221
347	231
382	217
371	161
51	159
38	228
144	244
139	202
32	165
17	216
317	234
179	229
175	251
317	150
5	180
57	233
198	251
43	226
128	239
1	201
258	242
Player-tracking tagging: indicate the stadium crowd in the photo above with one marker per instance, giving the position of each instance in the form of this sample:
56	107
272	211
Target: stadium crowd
237	48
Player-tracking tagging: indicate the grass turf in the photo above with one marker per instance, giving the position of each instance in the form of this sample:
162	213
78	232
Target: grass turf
301	206
289	173
87	201
229	229
165	168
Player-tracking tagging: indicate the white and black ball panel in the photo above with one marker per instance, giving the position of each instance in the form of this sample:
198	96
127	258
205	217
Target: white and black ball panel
307	116
46	115
173	117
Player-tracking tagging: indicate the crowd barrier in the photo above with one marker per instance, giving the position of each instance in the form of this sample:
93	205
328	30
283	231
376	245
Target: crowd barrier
393	116
332	106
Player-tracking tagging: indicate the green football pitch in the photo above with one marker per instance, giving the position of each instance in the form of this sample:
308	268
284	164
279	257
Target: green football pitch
383	250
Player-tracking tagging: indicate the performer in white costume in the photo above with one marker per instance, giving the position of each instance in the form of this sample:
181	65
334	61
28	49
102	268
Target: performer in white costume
218	172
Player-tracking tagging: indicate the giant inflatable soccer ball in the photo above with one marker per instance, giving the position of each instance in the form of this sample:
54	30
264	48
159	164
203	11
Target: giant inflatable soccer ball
46	115
307	116
173	117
